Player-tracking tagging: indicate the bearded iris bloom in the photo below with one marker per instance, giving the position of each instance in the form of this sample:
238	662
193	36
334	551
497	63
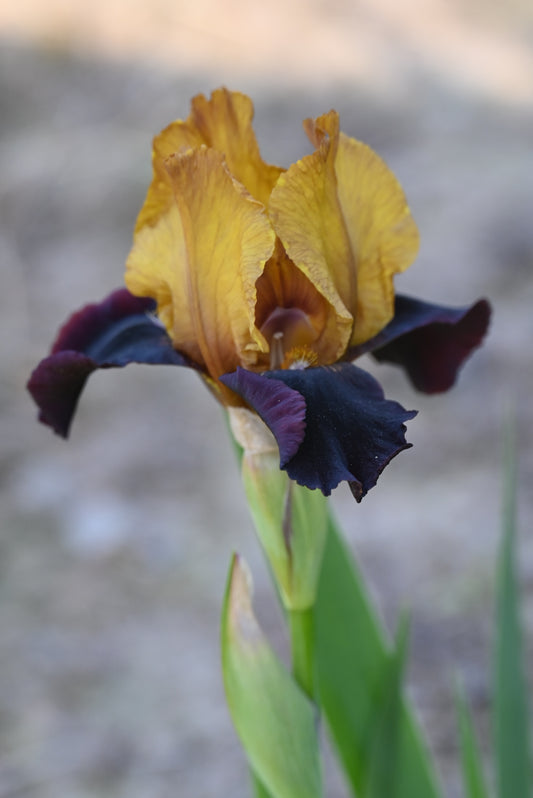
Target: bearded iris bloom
270	282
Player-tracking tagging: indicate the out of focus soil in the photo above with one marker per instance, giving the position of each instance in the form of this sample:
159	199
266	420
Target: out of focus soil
115	546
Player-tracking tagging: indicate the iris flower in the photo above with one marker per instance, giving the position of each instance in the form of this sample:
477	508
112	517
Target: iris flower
270	282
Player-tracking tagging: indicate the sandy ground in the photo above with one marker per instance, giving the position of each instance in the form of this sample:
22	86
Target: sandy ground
115	546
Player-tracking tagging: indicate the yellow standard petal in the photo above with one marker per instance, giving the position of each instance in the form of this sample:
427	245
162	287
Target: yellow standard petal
306	216
200	262
383	235
224	123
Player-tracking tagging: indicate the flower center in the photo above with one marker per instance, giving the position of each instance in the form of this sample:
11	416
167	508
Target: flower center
277	352
294	324
289	330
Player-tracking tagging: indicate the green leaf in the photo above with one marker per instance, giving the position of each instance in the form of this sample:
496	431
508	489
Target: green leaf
258	789
384	763
353	666
511	735
275	721
474	782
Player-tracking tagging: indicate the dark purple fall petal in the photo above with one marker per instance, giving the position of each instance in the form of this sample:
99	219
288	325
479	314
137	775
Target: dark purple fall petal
352	432
87	326
110	334
431	342
56	385
281	408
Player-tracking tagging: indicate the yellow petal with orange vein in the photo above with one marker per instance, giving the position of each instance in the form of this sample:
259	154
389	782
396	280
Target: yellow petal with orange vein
342	211
175	138
201	260
382	232
306	215
224	123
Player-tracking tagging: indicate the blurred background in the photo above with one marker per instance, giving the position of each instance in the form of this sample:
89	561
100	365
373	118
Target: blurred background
115	546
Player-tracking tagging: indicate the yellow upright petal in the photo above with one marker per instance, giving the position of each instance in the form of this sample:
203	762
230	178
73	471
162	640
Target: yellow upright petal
383	234
224	123
306	215
344	220
200	261
175	138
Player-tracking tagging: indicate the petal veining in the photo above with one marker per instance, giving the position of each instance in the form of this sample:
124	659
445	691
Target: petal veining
383	233
224	123
306	216
201	260
359	214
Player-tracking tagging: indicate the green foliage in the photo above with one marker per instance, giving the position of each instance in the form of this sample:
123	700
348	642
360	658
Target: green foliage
291	523
359	680
386	730
341	645
511	733
511	744
258	788
273	717
474	783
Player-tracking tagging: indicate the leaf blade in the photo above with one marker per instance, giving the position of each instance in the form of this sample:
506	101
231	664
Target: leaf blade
352	658
473	778
273	718
511	732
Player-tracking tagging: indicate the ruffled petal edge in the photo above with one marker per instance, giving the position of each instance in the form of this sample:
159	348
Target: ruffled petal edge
431	342
281	408
351	431
109	334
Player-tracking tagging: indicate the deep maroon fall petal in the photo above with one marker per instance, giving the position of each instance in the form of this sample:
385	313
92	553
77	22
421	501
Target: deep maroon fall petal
352	432
84	328
281	408
56	385
109	334
431	342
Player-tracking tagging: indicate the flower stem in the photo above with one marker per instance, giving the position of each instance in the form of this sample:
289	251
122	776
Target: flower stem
301	627
259	790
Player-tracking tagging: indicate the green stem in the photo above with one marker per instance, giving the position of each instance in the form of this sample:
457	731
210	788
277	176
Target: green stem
259	790
301	627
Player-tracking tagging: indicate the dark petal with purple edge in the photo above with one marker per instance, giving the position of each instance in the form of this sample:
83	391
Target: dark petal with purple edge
352	432
110	334
85	327
56	385
430	342
281	408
